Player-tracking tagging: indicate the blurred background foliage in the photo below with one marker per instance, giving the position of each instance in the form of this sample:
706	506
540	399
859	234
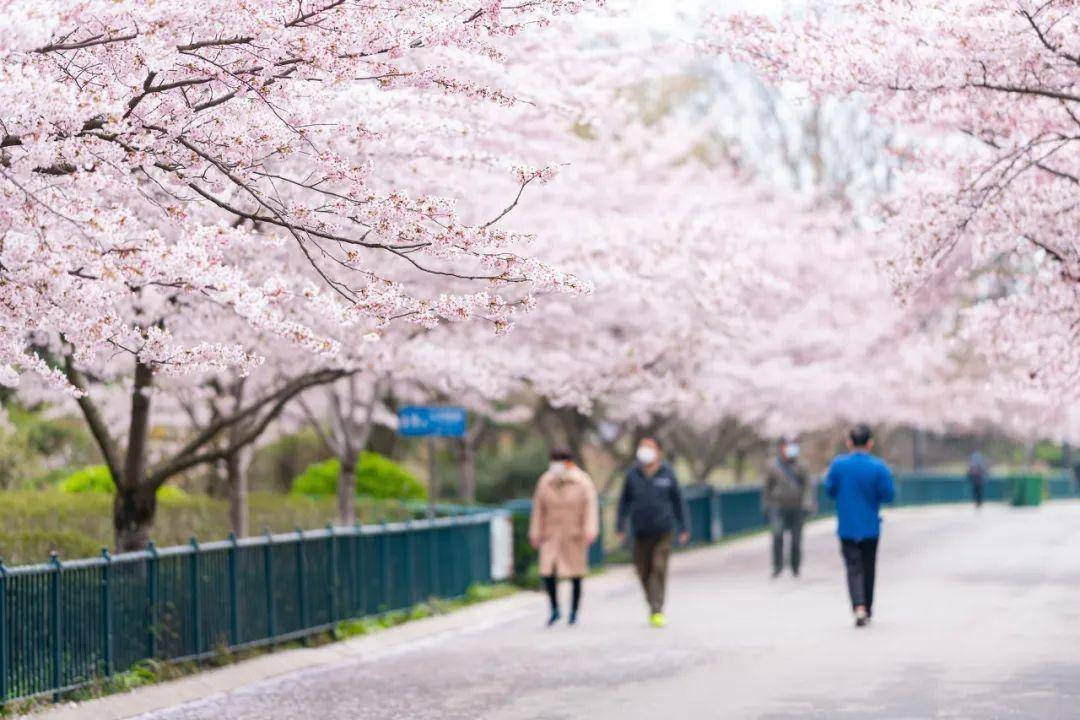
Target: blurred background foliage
56	495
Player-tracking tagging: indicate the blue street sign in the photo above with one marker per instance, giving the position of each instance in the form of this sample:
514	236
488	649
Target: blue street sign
416	421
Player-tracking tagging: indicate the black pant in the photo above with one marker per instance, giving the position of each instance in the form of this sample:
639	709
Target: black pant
977	491
553	597
860	559
791	521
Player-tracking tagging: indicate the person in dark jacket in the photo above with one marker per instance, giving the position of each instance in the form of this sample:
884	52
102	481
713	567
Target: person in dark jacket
977	472
859	483
652	506
788	498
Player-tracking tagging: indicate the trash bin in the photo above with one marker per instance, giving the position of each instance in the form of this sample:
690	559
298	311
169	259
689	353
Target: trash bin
1026	490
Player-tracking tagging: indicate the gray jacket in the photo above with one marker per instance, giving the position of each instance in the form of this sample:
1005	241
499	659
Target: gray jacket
788	487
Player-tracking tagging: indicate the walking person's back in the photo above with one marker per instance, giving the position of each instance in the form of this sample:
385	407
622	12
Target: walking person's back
977	472
859	483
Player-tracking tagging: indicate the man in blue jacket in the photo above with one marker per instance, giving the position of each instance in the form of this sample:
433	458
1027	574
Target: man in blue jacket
859	483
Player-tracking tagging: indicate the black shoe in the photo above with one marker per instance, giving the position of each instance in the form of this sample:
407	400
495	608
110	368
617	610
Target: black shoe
573	618
555	617
794	572
776	573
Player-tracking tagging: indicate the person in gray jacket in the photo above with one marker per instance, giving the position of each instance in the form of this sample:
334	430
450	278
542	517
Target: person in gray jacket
788	499
652	506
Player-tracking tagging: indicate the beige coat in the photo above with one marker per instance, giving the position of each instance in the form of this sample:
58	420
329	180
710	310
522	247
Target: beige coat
564	522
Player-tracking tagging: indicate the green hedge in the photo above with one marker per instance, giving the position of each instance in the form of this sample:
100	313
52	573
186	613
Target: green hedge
80	524
98	479
377	477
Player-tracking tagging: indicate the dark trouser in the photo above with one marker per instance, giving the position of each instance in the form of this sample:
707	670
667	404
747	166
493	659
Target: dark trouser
792	521
553	597
651	553
860	558
977	491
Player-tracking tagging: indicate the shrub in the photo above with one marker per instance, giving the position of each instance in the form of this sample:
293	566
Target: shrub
380	477
376	477
95	478
318	479
98	479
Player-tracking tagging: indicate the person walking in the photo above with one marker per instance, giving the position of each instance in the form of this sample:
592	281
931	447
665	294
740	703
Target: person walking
976	474
859	483
788	499
652	507
564	523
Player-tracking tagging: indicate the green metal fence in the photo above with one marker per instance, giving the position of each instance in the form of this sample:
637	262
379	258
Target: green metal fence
718	512
64	625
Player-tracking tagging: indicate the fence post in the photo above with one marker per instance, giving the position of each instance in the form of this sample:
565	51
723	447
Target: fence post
196	601
3	635
106	612
715	530
301	582
410	560
152	599
384	546
332	585
268	571
433	559
234	593
55	627
359	588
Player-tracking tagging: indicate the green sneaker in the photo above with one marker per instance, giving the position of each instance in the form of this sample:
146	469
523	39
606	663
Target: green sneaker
657	620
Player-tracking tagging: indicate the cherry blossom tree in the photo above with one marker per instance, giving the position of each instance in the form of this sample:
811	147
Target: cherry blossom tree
989	90
180	184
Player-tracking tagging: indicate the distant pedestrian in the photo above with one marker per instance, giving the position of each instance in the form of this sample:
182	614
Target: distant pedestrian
564	523
976	474
859	483
652	506
788	499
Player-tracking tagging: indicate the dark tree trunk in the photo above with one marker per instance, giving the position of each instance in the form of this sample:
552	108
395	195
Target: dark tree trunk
133	517
346	488
238	494
467	491
136	499
740	465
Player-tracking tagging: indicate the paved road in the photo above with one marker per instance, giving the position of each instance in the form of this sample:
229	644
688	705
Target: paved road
978	617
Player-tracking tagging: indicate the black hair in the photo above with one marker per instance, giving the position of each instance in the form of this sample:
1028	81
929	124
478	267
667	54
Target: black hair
561	454
654	440
860	435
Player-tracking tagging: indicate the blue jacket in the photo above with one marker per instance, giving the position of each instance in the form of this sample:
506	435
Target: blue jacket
860	483
652	505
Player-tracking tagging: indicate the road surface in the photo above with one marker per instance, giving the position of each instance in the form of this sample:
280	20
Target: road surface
977	616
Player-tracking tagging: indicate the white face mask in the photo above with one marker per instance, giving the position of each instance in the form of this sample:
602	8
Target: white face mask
646	454
557	468
791	451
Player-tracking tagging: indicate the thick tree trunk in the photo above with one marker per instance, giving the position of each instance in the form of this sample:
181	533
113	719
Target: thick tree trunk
347	491
135	503
238	494
133	517
740	465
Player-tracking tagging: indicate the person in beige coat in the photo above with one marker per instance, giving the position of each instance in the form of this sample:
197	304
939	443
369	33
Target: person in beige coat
564	523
